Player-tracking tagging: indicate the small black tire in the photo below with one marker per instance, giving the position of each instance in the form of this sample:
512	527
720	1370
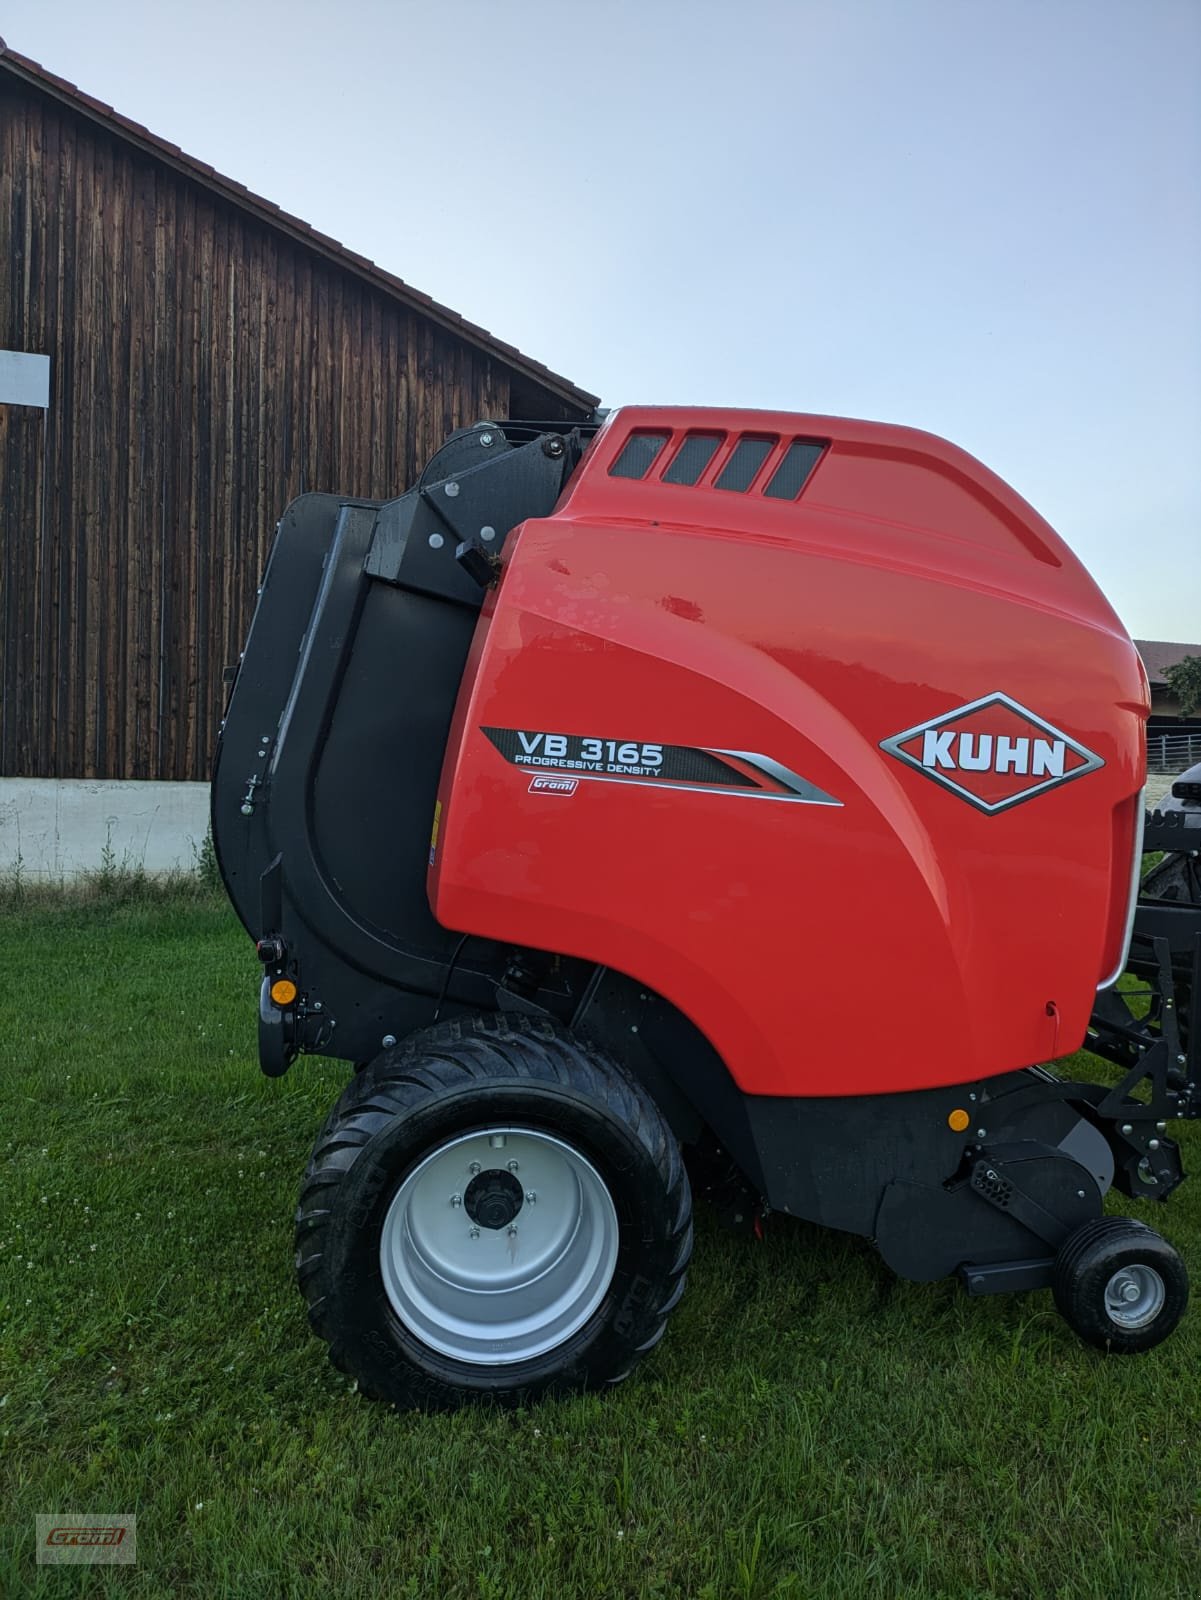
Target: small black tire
391	1290
1119	1285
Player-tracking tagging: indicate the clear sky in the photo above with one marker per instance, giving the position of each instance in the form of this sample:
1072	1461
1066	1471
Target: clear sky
981	217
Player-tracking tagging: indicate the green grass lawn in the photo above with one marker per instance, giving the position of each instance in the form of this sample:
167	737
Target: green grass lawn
809	1427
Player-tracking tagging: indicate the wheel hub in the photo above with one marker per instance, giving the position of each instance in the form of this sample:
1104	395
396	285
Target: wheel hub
1134	1296
493	1198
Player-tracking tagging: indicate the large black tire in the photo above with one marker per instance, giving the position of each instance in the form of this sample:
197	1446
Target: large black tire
432	1099
1102	1263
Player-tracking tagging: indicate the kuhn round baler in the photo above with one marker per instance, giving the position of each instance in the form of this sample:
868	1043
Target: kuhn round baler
621	793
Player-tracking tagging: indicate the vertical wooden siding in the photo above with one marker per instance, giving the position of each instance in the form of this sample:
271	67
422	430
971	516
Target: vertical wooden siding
204	370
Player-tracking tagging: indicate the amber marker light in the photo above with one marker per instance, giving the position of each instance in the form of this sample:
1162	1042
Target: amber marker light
957	1121
283	992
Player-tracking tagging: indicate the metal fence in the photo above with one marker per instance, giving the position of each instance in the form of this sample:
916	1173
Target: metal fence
1172	752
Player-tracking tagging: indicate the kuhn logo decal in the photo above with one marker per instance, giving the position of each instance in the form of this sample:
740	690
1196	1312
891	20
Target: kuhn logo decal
993	753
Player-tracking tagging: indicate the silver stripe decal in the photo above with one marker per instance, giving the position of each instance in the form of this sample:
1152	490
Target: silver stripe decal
801	788
699	788
1135	880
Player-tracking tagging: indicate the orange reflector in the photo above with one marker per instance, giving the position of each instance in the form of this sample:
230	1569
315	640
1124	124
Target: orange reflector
957	1121
283	992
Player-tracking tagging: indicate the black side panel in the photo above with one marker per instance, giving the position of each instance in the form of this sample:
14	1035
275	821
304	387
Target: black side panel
373	792
332	745
340	724
267	666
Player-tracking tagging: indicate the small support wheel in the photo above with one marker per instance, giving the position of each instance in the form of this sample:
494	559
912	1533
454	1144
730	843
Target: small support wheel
1119	1285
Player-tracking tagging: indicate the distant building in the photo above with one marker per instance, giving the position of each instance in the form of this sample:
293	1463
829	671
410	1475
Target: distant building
1157	656
178	359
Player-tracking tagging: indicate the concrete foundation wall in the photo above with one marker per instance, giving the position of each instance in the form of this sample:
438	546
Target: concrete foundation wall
58	828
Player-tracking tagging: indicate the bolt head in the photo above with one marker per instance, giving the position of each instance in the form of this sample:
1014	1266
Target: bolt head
1126	1128
531	1196
473	1168
473	1233
456	1199
388	1040
512	1165
512	1230
982	1133
248	810
485	439
452	489
1152	1144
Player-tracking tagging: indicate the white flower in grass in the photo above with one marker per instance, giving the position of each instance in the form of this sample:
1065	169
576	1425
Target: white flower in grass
199	1506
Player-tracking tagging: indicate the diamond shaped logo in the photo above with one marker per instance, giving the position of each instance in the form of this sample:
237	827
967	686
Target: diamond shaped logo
993	753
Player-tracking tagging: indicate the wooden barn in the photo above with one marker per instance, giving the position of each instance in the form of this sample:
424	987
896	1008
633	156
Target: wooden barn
209	358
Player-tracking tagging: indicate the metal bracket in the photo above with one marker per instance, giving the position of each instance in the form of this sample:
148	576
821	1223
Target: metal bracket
993	1180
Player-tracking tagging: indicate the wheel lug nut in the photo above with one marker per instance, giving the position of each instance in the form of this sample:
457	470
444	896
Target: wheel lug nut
530	1196
456	1199
512	1166
512	1230
473	1233
474	1168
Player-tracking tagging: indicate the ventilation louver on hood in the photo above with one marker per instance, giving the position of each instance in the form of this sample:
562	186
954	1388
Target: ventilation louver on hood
746	463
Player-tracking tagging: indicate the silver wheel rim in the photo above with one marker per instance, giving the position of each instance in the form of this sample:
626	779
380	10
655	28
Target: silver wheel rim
496	1294
1134	1296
